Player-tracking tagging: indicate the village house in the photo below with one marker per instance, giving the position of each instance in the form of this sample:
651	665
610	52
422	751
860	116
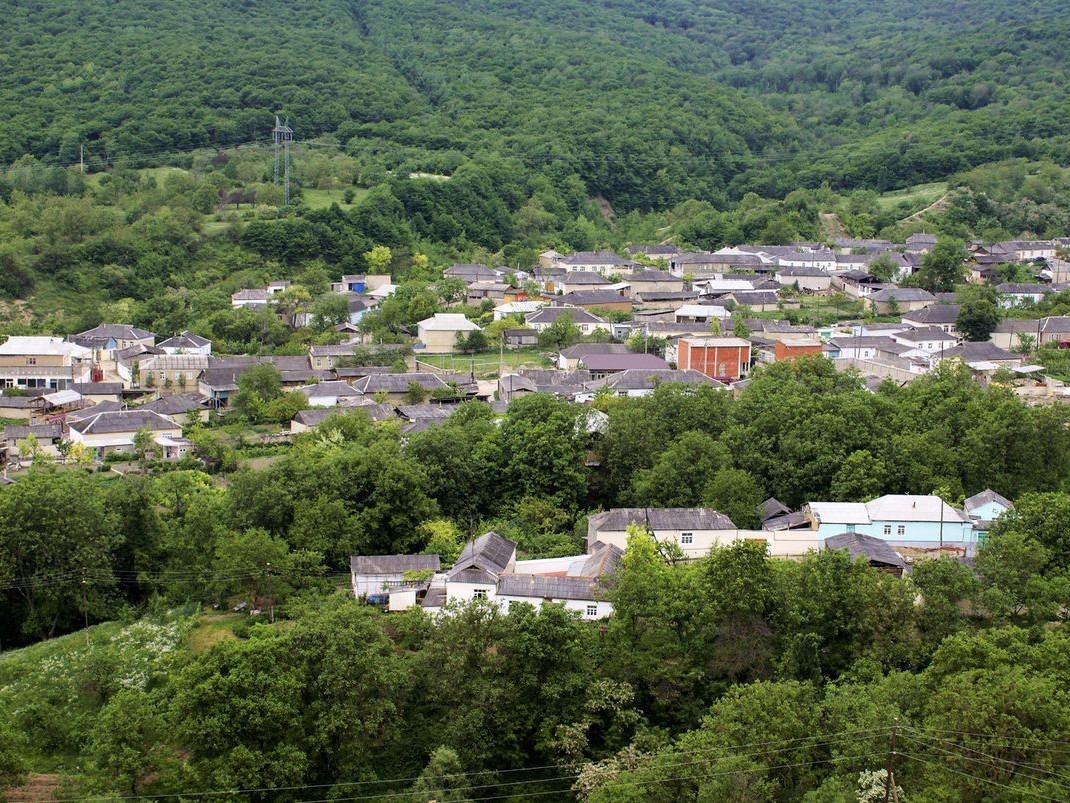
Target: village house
902	299
760	300
703	263
942	316
857	284
47	438
1014	294
251	298
701	313
900	519
396	387
186	343
586	322
519	338
469	273
167	373
499	292
43	362
1010	333
577	281
603	365
984	508
604	262
329	394
568	359
356	283
655	253
180	408
655	281
608	300
639	382
109	432
721	358
921	243
806	280
108	338
1021	250
95	392
665	301
930	339
1053	329
373	577
438	334
517	308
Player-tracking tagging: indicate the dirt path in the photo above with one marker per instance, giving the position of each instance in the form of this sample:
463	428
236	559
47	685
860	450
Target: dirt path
37	788
939	205
831	226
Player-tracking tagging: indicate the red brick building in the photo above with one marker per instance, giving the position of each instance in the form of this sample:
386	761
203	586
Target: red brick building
723	358
791	349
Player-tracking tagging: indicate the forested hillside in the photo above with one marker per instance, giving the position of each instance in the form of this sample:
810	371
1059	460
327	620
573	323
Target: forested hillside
649	103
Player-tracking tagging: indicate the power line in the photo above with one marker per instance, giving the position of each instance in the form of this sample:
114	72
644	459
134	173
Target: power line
727	750
979	778
986	759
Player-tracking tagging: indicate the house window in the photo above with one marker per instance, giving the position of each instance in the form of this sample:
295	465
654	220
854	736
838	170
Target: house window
901	530
31	361
687	538
592	610
887	529
850	528
479	593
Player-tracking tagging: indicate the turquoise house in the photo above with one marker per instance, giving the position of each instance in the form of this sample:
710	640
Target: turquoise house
983	509
900	519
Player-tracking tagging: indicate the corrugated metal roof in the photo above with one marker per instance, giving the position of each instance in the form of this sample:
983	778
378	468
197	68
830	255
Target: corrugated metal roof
543	587
489	553
662	518
392	564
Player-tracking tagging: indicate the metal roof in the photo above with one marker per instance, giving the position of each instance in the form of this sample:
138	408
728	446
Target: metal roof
869	547
543	587
661	518
489	553
392	564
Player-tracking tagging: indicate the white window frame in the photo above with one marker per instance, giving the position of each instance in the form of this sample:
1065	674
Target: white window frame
687	538
479	593
901	530
592	610
887	529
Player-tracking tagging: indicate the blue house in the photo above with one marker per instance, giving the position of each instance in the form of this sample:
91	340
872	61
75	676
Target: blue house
900	519
984	508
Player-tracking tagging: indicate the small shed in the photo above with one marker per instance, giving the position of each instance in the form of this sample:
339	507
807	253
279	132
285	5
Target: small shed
877	552
374	575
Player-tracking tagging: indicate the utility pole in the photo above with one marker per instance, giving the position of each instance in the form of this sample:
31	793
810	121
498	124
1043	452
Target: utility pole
889	781
85	608
282	135
271	598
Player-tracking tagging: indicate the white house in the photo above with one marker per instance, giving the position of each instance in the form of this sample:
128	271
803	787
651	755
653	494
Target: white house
517	308
375	576
586	322
186	343
43	362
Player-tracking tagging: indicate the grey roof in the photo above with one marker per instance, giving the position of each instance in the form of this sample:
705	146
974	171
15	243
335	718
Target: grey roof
622	362
122	421
666	295
862	342
174	405
551	314
649	275
983	498
661	518
603	560
185	340
652	250
1056	323
933	314
907	294
748	297
593	258
984	351
649	378
109	406
333	388
98	388
489	554
801	270
788	521
584	277
869	547
1021	288
114	331
581	350
397	383
416	412
595	297
544	587
312	418
773	507
921	237
16	402
392	564
39	431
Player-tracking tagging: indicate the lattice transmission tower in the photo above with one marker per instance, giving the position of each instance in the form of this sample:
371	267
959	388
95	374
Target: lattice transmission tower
282	135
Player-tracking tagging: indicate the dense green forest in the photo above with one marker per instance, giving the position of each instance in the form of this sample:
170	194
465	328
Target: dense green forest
734	677
650	104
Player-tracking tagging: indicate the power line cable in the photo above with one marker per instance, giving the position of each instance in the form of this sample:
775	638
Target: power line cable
978	778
